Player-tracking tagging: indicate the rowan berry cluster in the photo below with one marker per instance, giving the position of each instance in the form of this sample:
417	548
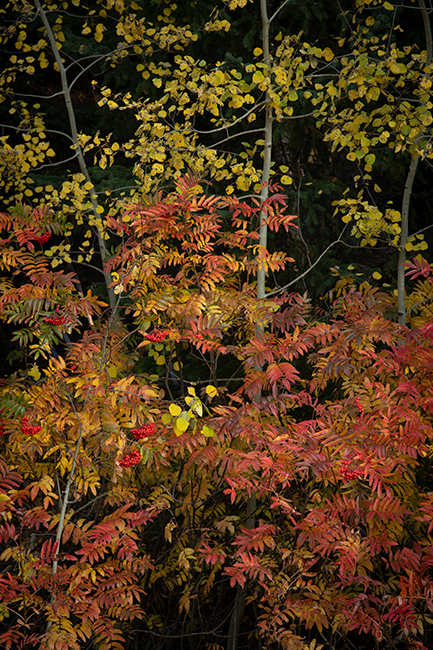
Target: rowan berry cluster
359	405
130	459
28	429
42	239
349	474
144	432
156	336
56	320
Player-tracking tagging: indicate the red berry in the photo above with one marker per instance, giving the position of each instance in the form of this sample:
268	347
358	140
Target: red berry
58	320
42	239
144	432
157	336
350	474
28	429
131	459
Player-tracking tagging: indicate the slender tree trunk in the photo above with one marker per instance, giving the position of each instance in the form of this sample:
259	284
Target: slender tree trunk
401	291
261	274
80	156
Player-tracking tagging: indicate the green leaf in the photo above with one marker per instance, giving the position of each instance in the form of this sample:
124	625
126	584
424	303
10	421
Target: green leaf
208	431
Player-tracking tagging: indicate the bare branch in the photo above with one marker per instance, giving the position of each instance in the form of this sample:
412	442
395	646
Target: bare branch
275	14
286	286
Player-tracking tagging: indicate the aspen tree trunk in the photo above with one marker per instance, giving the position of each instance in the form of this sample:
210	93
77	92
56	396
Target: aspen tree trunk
74	133
401	292
261	274
401	289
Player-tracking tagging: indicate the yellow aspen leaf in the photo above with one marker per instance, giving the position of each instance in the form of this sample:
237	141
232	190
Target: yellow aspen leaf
208	431
388	5
99	209
373	93
327	53
258	77
377	188
175	410
376	275
166	419
211	391
182	424
286	180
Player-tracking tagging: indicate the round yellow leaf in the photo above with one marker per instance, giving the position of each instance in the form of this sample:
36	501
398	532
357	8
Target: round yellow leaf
182	424
175	409
328	54
211	391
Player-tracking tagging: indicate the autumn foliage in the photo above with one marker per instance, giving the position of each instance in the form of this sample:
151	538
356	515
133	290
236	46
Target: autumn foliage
130	444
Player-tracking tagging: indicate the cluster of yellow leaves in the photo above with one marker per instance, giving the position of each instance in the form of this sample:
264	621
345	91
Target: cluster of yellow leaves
377	115
369	223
